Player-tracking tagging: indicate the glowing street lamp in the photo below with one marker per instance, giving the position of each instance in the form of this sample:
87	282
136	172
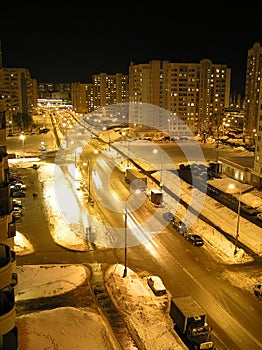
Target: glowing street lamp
125	134
89	174
136	192
155	151
232	186
22	138
77	151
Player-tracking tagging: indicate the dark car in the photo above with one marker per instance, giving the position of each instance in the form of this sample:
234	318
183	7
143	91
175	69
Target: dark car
168	216
18	194
249	210
195	239
258	290
180	226
259	216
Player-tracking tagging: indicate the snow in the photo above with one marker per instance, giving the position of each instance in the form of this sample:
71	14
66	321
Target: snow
72	328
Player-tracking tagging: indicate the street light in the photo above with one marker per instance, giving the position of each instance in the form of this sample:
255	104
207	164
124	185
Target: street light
89	175
137	191
125	134
155	151
77	151
22	138
232	186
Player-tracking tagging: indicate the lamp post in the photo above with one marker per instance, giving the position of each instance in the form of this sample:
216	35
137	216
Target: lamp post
89	175
155	151
125	134
22	138
77	150
232	186
137	191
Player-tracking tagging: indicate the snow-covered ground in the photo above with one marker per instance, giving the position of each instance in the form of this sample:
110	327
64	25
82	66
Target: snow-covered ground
68	328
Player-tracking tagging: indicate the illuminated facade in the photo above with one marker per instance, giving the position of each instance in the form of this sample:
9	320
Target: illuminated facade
197	93
252	92
258	144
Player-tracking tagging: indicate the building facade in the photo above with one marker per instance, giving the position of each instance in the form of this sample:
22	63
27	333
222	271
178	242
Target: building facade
82	97
19	91
252	92
196	94
8	275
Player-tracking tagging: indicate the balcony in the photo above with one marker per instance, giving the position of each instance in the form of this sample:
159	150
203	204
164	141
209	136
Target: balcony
6	266
6	204
7	310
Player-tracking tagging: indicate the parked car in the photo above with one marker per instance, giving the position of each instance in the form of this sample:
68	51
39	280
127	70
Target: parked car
156	284
17	210
17	203
168	216
259	216
195	239
17	214
180	226
249	210
18	186
18	193
258	290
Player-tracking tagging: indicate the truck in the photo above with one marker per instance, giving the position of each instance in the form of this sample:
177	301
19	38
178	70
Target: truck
156	197
190	322
136	178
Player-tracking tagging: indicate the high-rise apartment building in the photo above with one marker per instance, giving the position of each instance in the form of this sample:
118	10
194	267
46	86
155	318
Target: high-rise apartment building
82	97
20	96
258	144
109	89
104	90
196	94
252	92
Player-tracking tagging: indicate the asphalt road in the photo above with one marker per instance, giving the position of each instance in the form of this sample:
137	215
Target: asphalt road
234	314
184	269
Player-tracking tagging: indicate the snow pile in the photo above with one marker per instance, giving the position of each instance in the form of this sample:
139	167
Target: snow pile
77	329
146	315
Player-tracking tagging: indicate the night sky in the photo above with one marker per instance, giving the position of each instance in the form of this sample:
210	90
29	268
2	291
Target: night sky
72	42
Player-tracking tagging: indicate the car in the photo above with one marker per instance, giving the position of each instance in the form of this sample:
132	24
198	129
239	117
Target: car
168	216
259	216
249	210
17	186
258	290
16	214
195	239
156	284
180	226
17	203
17	210
18	194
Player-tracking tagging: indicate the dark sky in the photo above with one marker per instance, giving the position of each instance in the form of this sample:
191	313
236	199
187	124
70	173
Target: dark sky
69	43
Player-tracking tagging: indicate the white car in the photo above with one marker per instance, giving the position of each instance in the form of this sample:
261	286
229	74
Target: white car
156	284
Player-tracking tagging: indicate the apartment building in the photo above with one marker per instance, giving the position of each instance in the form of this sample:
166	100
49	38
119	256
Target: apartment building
252	92
196	94
8	276
20	97
104	90
109	89
82	97
258	145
